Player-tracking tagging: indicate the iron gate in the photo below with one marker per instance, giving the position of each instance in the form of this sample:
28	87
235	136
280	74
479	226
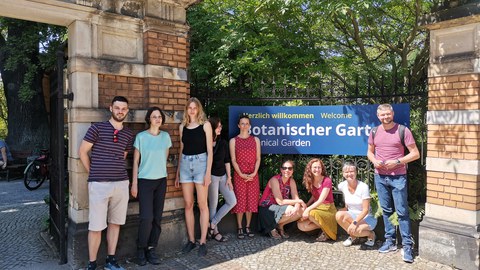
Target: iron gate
58	174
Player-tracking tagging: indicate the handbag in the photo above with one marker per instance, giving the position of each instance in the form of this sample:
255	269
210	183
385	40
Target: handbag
338	199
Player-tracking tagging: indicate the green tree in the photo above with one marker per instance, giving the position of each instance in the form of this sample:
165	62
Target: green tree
363	44
26	54
367	47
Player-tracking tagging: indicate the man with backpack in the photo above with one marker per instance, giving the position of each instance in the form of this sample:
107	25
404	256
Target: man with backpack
386	150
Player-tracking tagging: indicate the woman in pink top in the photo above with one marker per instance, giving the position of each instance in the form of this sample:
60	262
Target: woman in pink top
280	203
320	212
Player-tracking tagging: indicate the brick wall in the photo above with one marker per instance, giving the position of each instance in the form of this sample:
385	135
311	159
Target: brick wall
454	190
164	50
452	141
457	92
172	129
132	88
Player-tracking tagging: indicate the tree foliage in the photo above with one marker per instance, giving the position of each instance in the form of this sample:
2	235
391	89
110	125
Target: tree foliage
27	53
373	49
359	43
30	45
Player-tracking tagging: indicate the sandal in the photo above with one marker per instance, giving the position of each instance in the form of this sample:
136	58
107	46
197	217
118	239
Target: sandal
249	232
274	234
210	232
322	237
283	234
221	239
240	234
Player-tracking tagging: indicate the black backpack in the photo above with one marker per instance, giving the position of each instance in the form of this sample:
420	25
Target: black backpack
401	132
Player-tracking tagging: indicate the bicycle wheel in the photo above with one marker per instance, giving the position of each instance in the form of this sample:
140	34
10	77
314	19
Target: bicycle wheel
33	177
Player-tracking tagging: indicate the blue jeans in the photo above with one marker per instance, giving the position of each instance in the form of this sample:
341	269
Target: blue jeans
193	168
219	183
392	191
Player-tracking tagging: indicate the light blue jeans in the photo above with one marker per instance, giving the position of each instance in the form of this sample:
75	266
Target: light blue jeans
392	191
193	168
219	183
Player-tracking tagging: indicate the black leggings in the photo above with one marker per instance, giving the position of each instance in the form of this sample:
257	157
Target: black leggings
151	198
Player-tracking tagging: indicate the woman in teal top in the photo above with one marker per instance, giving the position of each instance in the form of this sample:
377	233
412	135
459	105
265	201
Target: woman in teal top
149	183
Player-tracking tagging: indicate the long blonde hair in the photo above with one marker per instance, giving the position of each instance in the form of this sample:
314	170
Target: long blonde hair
201	117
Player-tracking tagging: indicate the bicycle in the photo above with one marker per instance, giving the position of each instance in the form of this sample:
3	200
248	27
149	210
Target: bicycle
37	171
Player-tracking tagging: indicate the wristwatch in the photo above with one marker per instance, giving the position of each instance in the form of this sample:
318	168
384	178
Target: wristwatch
398	161
354	222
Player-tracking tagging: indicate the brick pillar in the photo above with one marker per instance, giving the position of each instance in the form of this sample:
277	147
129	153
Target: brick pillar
449	232
140	52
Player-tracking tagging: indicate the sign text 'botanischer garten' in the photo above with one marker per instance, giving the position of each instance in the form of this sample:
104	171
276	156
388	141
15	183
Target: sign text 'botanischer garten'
325	130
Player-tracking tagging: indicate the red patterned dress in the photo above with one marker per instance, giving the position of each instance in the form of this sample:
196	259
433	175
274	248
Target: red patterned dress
247	193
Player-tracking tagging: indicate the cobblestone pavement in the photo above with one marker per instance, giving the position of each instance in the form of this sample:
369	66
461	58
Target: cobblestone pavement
23	212
298	252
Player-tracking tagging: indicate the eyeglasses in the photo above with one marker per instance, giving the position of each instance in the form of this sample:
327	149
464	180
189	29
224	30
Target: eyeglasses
115	137
287	168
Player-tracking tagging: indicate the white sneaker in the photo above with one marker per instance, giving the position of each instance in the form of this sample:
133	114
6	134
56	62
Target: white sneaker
371	242
348	242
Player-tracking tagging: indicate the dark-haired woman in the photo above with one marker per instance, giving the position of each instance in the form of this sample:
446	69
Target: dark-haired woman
245	155
149	183
221	181
280	203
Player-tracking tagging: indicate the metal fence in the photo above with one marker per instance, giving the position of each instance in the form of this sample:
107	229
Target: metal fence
329	91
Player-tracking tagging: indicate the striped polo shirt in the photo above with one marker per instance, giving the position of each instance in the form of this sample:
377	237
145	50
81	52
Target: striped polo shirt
107	161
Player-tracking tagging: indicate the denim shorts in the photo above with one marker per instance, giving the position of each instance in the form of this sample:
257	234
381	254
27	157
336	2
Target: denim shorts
369	219
193	168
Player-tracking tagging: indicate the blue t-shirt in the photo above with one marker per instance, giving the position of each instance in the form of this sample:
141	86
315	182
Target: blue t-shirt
107	159
153	154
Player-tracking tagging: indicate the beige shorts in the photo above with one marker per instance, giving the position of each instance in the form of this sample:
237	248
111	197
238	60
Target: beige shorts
108	202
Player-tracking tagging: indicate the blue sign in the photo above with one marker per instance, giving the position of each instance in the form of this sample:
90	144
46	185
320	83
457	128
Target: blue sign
323	130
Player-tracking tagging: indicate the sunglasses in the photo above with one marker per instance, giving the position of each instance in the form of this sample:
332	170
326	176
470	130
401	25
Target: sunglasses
287	168
115	136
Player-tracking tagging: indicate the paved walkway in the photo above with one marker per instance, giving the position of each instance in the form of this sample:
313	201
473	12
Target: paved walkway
22	220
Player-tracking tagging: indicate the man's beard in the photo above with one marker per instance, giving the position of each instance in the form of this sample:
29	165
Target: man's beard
387	121
117	118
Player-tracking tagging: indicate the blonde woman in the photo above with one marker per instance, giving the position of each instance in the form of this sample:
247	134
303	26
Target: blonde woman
194	170
356	218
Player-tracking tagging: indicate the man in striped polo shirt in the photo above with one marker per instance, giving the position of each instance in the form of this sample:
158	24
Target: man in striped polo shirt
108	144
